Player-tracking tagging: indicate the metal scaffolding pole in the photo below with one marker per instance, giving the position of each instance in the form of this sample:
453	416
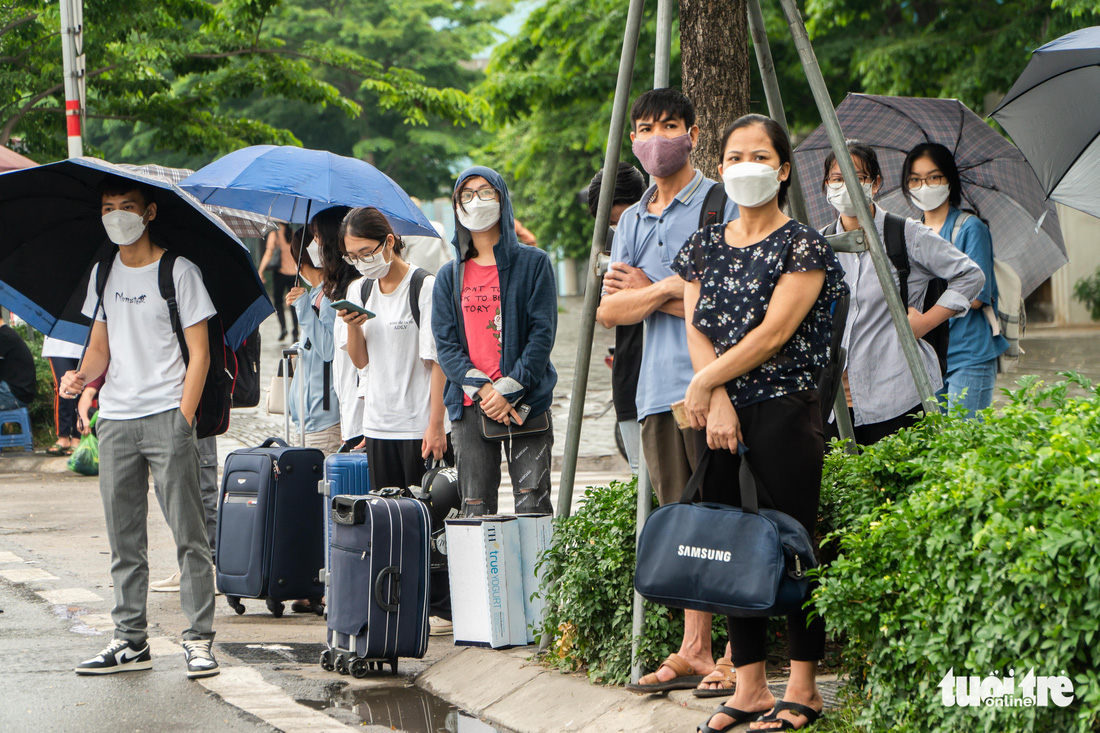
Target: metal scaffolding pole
599	240
883	269
774	97
72	69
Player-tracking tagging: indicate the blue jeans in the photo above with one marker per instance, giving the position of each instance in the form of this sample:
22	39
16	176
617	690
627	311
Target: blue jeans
977	383
7	399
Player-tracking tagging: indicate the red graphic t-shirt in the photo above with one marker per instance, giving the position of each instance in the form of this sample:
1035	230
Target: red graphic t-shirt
481	316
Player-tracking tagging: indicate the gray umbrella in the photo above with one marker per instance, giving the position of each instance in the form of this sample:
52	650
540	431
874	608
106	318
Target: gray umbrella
996	180
1053	113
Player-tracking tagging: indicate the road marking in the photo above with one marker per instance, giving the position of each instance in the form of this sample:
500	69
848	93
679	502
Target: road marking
98	621
162	646
70	595
26	575
10	557
245	688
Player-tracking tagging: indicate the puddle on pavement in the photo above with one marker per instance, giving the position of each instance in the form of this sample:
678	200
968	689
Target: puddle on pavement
72	614
408	709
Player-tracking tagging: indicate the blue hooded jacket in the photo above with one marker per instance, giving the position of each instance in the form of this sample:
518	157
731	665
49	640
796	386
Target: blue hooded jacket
529	316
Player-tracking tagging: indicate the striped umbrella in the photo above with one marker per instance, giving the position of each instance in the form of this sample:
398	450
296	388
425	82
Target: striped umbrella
997	181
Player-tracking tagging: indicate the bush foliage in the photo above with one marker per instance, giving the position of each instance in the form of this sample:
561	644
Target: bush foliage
971	546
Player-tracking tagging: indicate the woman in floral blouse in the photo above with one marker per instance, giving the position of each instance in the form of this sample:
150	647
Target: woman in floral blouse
758	295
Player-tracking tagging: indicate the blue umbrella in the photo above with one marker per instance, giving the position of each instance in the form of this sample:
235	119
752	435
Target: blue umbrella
283	182
53	235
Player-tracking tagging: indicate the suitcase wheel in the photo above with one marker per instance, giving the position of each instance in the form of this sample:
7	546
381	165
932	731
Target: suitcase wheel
326	661
235	603
275	607
358	668
342	663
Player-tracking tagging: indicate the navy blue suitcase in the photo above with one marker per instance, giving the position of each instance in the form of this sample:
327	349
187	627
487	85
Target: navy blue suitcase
269	541
378	590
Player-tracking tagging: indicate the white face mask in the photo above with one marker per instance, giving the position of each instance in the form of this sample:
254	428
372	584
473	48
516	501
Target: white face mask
751	184
124	227
842	202
374	266
314	251
479	215
930	198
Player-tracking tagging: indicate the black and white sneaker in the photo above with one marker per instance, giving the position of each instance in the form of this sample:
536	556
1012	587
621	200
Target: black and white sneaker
200	658
119	656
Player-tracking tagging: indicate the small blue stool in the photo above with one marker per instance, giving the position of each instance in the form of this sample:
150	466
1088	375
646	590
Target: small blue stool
23	417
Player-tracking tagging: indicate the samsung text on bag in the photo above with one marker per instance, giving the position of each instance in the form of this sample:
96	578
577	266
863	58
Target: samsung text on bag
703	553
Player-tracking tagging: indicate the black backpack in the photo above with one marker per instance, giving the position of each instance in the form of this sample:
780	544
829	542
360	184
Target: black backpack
212	414
415	287
246	390
714	206
894	236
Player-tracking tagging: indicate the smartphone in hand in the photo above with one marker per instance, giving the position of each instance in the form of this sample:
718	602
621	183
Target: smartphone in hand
347	305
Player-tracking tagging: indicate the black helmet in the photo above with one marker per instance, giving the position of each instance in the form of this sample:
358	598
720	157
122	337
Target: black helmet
439	490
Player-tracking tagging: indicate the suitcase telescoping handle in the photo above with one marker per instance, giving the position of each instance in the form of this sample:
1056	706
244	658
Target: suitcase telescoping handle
388	605
275	441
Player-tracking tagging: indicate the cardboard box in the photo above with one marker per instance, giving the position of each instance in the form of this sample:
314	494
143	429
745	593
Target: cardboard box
536	532
486	586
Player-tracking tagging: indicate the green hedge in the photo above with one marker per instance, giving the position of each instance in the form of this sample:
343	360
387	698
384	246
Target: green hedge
973	547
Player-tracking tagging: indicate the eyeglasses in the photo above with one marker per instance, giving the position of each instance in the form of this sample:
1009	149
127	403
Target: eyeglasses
352	259
836	183
935	179
485	194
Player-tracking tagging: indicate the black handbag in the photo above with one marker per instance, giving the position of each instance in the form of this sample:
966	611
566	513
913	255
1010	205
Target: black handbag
735	561
496	432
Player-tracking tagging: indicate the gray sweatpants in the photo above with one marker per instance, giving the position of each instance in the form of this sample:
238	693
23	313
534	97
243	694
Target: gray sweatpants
128	450
478	464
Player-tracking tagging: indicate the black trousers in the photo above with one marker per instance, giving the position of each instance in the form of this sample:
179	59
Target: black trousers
280	285
64	411
398	462
872	433
786	451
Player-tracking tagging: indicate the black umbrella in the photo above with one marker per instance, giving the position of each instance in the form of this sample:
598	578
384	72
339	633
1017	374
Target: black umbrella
53	235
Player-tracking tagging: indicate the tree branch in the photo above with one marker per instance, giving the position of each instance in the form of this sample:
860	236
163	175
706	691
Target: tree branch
9	126
18	22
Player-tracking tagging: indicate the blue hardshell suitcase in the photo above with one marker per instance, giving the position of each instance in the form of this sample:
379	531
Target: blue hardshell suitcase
378	590
345	474
270	541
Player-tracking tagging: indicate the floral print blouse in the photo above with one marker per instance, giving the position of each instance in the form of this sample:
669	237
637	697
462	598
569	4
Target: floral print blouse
736	285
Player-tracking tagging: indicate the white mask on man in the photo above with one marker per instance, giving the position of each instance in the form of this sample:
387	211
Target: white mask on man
124	227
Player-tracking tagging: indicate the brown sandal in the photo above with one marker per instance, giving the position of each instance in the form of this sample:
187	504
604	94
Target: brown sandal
684	679
724	674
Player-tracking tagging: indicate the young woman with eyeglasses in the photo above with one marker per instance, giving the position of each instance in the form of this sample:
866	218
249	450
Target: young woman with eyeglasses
930	181
495	314
879	387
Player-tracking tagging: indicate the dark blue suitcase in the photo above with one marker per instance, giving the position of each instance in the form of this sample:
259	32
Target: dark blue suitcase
269	541
378	590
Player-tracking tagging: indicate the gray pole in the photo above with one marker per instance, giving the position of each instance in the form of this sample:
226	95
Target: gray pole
770	79
73	111
898	310
599	240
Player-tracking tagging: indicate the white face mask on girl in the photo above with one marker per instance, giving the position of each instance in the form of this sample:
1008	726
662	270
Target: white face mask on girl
930	198
479	215
374	266
124	227
314	251
751	184
842	202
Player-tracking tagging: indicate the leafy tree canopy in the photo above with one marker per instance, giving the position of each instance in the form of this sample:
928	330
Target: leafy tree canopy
172	75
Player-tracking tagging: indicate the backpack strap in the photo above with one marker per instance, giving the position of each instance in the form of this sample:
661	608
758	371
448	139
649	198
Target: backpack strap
415	286
326	385
959	221
894	234
829	230
365	290
714	206
102	272
168	291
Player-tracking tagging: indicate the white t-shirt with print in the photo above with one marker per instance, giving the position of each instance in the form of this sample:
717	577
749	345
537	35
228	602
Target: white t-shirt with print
397	402
146	372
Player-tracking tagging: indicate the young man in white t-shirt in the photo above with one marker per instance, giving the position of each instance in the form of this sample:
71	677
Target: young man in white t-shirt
146	422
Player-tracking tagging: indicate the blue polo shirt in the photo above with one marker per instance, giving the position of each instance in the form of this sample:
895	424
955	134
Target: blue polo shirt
650	242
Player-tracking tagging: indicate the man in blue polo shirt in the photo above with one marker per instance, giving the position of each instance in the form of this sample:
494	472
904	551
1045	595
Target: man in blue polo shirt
640	285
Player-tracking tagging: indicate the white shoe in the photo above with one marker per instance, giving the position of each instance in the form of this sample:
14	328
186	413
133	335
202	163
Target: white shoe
171	584
438	626
199	656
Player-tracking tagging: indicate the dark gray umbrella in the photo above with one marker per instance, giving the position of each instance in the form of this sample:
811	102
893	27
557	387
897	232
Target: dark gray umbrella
1053	113
996	180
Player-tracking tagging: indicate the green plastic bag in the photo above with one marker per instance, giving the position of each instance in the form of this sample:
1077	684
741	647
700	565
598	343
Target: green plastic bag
85	459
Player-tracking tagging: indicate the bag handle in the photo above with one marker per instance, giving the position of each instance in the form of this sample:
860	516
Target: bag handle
746	478
275	441
388	605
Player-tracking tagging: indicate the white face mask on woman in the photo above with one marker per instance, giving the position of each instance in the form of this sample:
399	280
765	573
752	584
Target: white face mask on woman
313	249
930	198
842	202
374	266
124	227
478	215
751	184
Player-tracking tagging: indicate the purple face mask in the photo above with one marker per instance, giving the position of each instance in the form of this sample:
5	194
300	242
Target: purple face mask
663	156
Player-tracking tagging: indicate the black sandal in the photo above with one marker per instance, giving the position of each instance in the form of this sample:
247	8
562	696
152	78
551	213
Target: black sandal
811	715
739	717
